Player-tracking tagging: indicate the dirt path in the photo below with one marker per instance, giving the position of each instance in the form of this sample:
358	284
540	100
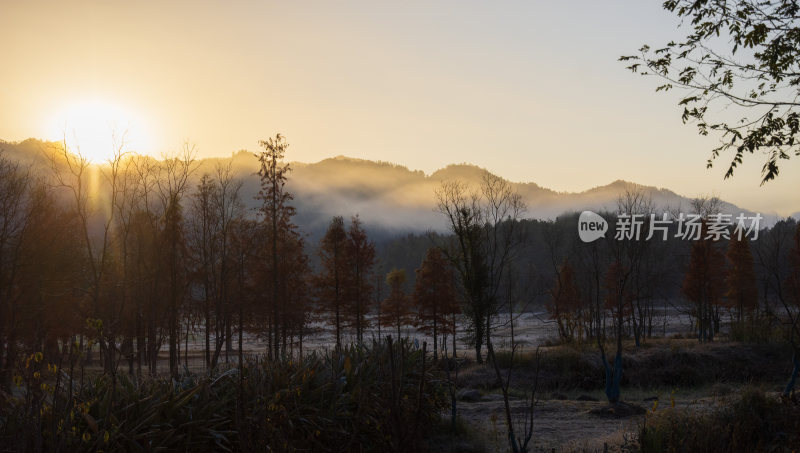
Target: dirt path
566	425
563	425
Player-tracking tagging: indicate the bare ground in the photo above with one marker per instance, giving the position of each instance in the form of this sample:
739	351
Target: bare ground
570	425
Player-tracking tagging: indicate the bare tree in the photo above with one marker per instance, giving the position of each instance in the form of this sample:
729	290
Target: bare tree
229	210
485	240
74	172
15	213
627	250
172	184
778	255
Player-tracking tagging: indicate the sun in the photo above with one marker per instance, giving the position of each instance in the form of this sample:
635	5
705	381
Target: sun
97	129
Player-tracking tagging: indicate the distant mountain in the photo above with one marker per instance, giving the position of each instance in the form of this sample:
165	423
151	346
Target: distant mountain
391	198
394	199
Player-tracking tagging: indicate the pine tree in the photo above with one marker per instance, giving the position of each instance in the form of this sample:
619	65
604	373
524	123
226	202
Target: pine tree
283	237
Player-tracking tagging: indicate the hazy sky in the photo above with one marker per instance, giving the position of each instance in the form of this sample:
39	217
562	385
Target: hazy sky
529	90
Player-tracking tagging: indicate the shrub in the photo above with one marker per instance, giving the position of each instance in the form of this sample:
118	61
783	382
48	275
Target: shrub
754	423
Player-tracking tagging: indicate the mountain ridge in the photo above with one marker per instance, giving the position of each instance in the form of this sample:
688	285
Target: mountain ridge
392	197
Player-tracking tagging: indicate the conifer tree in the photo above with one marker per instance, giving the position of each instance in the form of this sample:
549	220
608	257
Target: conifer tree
360	256
704	284
331	281
395	308
741	278
434	296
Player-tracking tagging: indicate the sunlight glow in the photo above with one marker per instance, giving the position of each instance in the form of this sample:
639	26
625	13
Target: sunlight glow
97	129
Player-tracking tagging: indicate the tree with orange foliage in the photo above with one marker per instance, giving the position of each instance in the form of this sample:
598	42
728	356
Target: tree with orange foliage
564	305
741	278
395	308
360	257
704	284
618	296
435	296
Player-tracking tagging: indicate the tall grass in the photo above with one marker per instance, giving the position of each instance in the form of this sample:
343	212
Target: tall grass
382	397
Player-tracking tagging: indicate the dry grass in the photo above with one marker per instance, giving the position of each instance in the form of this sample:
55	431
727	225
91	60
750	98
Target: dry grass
756	421
375	398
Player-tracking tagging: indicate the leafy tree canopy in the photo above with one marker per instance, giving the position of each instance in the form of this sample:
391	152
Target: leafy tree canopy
739	58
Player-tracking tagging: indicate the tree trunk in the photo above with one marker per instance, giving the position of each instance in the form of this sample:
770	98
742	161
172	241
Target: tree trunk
454	335
792	377
208	333
435	339
613	377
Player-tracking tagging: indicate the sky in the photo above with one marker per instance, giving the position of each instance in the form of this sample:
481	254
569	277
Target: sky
531	91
